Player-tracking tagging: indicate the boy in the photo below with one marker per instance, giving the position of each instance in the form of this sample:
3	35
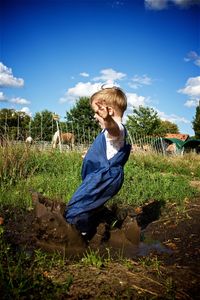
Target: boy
102	169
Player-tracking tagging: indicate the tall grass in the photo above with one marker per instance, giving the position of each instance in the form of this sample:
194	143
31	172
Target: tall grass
57	175
153	176
25	276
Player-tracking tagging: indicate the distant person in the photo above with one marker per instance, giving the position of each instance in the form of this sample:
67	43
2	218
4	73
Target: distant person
102	169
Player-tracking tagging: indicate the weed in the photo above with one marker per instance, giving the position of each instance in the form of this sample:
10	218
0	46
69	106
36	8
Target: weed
170	289
22	274
128	264
152	262
92	258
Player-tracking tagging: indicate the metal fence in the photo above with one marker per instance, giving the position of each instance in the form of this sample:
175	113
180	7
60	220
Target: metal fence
85	137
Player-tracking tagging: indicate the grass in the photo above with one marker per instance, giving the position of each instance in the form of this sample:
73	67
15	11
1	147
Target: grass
149	176
23	275
93	258
152	262
57	175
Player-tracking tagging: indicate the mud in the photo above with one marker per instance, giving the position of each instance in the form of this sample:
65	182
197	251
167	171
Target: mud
45	227
164	251
53	233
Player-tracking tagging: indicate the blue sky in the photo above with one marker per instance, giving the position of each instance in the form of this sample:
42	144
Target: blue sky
54	51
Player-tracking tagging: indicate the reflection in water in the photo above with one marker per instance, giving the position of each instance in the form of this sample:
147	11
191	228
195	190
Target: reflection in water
145	249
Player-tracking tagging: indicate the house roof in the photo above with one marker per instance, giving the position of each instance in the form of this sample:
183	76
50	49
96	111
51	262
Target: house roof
180	136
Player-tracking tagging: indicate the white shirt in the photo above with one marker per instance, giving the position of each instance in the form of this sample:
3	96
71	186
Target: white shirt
114	144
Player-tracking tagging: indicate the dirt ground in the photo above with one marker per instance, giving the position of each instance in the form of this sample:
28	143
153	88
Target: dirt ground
153	253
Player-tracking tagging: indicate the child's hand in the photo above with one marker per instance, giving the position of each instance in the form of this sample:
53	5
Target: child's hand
102	111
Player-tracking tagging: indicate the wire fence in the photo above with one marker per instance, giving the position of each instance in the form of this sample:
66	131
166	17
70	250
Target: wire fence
83	138
43	134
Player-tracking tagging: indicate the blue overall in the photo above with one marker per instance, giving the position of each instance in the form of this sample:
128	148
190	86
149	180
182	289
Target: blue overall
101	180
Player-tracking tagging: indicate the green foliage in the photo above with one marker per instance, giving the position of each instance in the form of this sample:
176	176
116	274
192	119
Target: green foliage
92	258
43	126
14	124
141	185
145	121
167	127
153	262
171	288
157	177
22	274
80	119
57	174
52	173
16	163
196	122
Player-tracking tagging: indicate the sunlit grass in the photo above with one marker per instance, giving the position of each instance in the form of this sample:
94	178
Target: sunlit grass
57	175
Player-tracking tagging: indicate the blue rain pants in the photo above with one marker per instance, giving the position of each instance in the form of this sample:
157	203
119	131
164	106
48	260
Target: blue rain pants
101	180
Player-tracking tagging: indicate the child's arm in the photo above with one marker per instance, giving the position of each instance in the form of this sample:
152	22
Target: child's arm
110	124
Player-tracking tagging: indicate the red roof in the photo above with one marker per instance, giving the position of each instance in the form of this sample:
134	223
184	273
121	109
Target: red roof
180	136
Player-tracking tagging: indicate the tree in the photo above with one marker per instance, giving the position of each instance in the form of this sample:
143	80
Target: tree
80	120
196	122
43	126
144	121
14	124
167	127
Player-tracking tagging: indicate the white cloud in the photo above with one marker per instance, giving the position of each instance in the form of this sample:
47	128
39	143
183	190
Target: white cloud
192	90
134	100
138	81
19	100
26	110
156	4
172	118
163	4
81	89
7	79
192	103
109	76
88	89
84	74
193	56
3	98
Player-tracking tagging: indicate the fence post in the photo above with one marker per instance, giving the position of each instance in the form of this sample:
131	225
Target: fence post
56	118
163	150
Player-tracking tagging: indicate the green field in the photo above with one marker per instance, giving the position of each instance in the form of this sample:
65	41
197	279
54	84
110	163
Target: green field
57	175
37	275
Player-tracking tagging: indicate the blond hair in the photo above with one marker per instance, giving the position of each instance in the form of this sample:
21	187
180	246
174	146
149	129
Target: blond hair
113	97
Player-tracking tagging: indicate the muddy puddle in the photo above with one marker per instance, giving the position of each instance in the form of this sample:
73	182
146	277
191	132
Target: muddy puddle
168	247
46	228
